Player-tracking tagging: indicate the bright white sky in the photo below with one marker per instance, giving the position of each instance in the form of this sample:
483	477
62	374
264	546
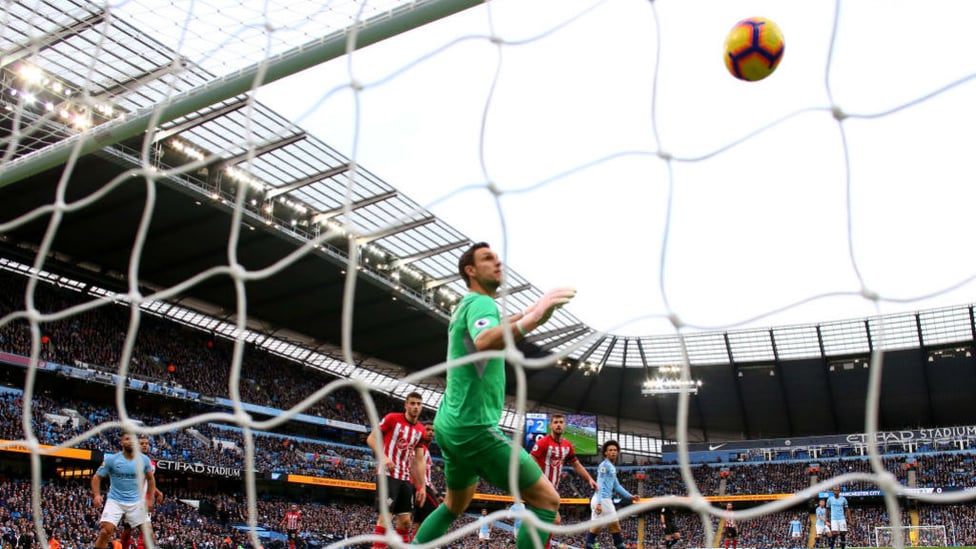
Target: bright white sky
754	228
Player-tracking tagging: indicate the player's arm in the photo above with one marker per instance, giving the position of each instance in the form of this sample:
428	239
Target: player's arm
375	443
96	487
418	474
151	479
619	488
583	473
520	324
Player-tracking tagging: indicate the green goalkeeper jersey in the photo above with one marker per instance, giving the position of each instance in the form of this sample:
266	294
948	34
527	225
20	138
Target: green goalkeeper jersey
475	394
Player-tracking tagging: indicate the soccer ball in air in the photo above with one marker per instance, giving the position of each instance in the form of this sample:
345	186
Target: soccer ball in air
753	49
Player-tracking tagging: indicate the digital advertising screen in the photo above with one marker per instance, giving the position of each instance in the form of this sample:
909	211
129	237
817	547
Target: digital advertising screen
536	427
581	431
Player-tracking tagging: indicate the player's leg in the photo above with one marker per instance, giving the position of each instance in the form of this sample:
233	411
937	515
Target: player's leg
617	534
403	509
125	535
383	507
456	500
492	460
135	514
591	534
111	515
540	498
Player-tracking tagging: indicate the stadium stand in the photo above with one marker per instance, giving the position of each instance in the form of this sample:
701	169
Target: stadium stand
200	362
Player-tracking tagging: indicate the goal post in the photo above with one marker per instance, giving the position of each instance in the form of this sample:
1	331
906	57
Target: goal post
911	536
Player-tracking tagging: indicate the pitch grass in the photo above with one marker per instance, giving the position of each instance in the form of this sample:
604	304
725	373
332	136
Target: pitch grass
584	441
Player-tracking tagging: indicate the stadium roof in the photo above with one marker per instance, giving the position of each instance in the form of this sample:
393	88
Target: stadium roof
297	193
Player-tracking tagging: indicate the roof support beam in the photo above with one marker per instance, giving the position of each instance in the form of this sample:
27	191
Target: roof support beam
514	290
583	330
830	389
258	151
538	336
778	368
657	406
51	38
191	123
595	375
314	178
738	386
368	201
406	260
925	369
569	373
620	384
140	80
372	237
431	284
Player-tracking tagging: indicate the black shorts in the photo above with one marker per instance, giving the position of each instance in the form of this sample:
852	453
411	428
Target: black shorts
670	528
399	496
431	501
292	535
731	532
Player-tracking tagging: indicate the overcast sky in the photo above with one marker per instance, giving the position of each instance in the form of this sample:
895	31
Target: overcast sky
568	133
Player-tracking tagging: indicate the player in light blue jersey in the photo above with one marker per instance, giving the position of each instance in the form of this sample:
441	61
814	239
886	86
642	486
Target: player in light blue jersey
823	523
516	507
484	531
796	532
126	493
839	518
601	505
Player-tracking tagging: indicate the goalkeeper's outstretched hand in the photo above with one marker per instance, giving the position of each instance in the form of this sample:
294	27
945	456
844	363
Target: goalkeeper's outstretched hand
540	311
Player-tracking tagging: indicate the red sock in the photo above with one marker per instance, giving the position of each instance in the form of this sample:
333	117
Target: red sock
735	543
548	541
125	538
379	531
139	543
727	543
404	534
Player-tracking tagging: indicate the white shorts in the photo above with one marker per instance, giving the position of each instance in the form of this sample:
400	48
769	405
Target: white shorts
134	512
484	535
796	535
838	525
606	506
822	529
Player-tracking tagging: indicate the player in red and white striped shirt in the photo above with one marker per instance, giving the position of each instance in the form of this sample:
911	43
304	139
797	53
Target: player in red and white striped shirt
400	465
552	451
292	523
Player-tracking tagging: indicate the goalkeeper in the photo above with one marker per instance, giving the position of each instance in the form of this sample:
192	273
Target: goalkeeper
467	420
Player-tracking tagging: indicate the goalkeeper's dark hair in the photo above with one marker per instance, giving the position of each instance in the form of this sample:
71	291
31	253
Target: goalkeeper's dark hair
467	258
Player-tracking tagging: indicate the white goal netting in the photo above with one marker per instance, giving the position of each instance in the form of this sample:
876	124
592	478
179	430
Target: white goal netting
911	536
604	134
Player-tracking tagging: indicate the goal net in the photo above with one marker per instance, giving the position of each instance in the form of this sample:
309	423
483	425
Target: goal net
911	536
603	133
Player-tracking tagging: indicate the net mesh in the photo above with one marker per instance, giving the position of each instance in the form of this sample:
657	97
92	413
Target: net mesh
911	536
83	77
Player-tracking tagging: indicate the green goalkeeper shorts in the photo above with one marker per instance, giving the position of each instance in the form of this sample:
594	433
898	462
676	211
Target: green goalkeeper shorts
483	452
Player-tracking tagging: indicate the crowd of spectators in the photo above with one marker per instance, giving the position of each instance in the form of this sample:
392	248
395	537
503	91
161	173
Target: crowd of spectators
170	353
175	355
